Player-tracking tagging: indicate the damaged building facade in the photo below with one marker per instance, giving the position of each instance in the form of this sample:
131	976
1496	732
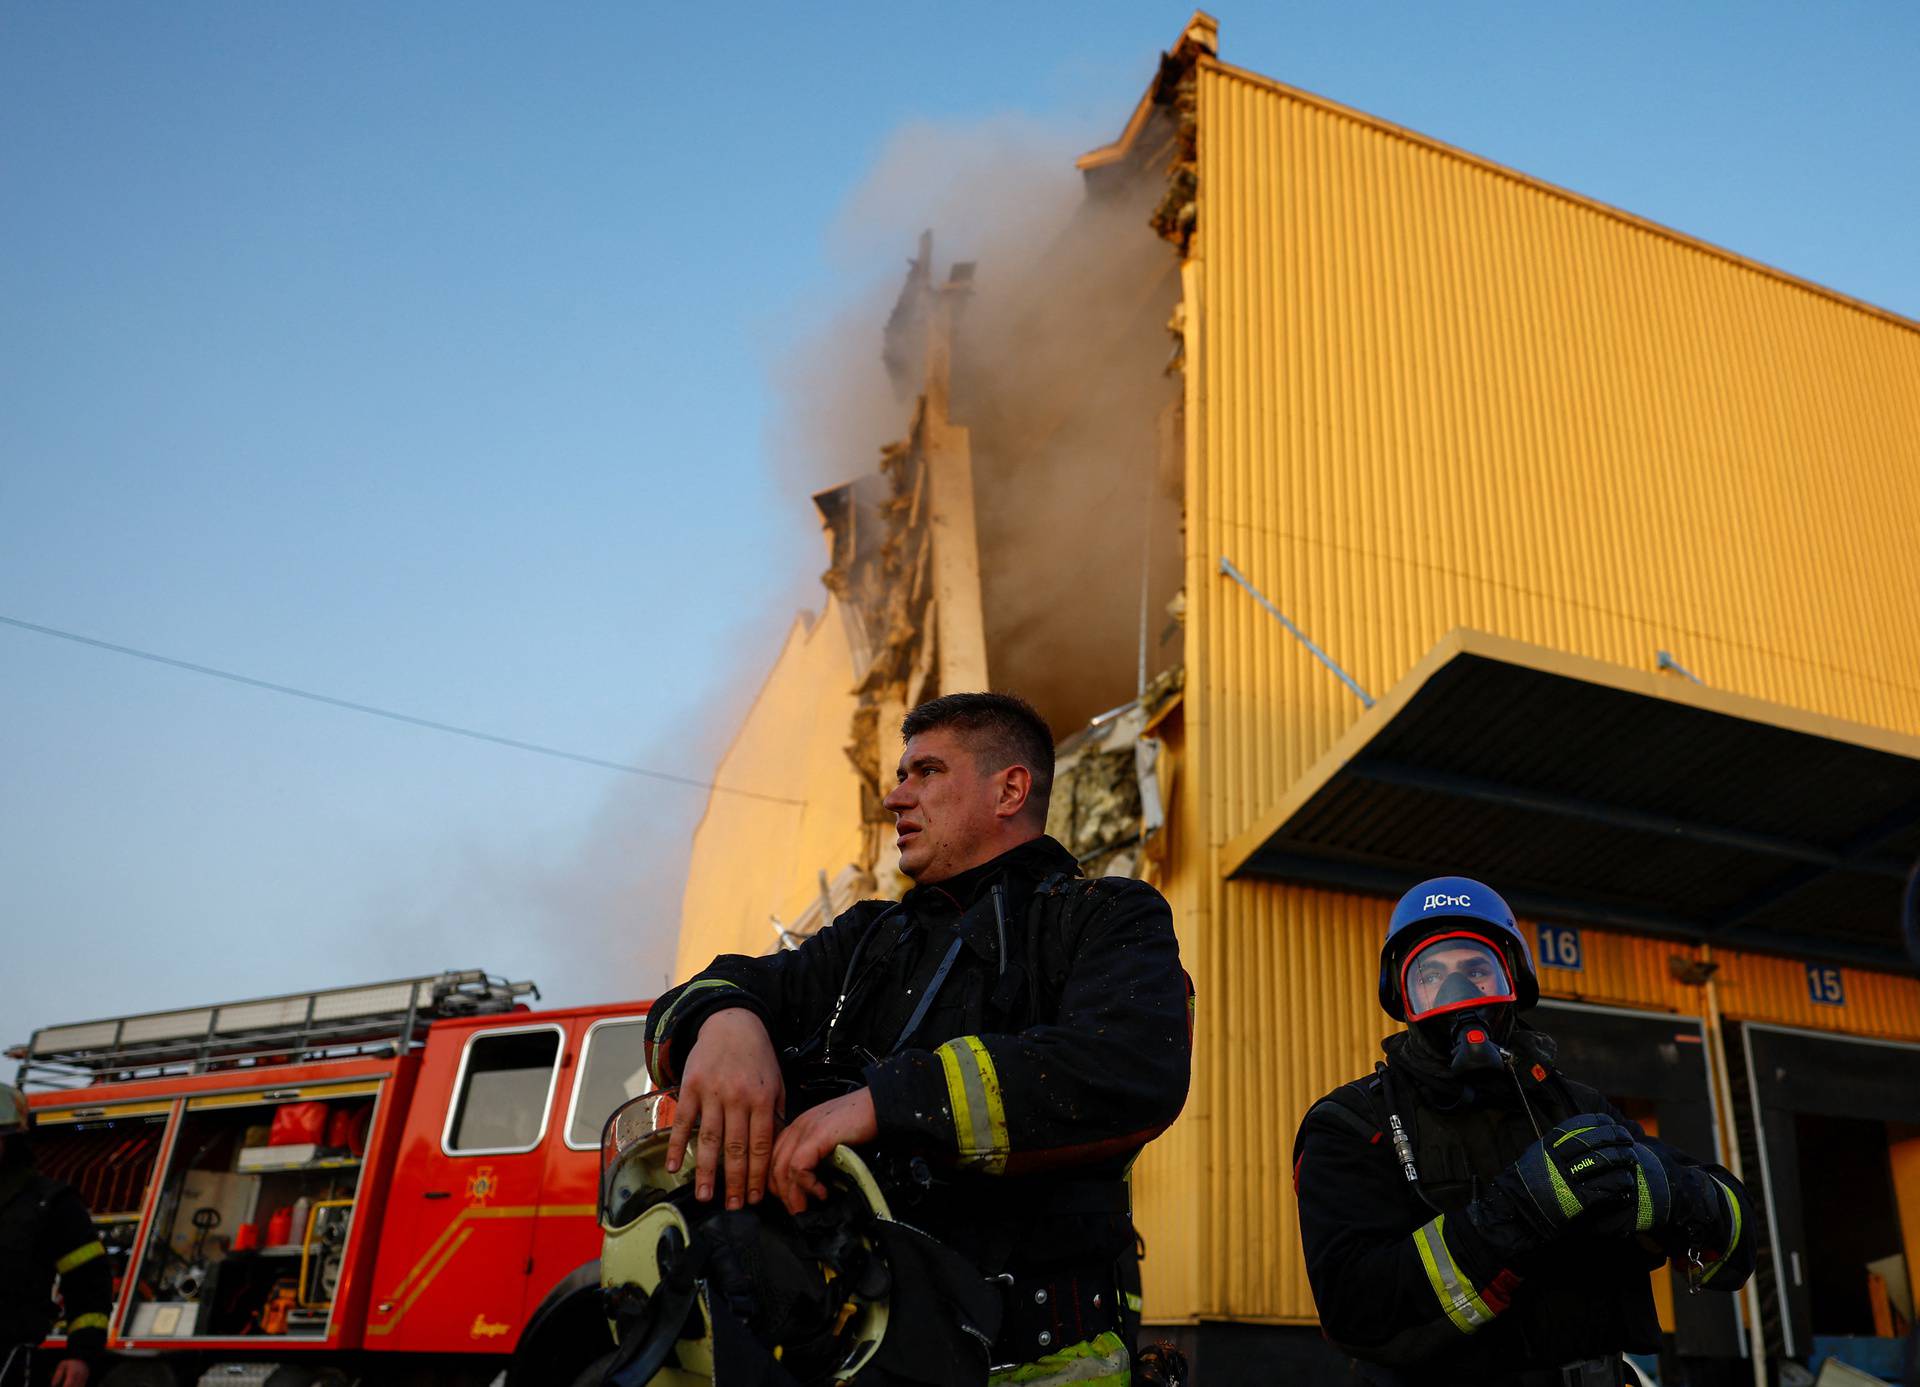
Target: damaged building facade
1358	510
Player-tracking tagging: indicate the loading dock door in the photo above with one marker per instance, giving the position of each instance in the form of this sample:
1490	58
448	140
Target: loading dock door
1823	1105
1655	1064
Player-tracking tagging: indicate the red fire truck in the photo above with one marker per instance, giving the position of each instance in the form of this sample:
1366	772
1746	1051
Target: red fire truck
390	1184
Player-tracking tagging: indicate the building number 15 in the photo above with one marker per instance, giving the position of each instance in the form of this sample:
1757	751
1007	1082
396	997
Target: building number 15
1824	985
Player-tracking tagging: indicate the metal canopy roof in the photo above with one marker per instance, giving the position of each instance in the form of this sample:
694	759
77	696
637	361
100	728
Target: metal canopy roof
1589	793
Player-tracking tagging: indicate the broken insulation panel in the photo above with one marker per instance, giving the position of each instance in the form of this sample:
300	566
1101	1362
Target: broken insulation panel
1109	795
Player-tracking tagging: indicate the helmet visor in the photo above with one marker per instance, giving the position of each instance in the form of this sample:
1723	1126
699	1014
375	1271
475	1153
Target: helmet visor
633	1148
1451	971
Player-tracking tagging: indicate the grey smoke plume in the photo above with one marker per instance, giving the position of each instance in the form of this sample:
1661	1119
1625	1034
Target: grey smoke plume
1060	376
991	192
1061	381
598	921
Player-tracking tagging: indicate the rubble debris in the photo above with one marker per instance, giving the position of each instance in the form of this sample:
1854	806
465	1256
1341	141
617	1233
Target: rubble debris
852	883
1174	103
1109	791
882	564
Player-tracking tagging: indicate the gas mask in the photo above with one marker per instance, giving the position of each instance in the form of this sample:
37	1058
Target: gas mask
1458	989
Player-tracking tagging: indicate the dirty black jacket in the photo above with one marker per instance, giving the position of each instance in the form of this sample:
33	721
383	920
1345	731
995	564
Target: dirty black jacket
1383	1290
1022	1086
46	1231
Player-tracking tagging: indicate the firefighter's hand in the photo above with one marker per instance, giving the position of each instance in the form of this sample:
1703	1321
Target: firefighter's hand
72	1372
732	1087
846	1121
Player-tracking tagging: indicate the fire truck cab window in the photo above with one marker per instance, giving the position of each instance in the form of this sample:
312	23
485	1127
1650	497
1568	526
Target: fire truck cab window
612	1071
505	1088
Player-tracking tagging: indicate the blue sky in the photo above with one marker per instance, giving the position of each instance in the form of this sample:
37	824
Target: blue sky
441	357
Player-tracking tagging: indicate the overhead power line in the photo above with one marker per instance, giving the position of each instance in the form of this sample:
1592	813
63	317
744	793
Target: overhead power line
391	715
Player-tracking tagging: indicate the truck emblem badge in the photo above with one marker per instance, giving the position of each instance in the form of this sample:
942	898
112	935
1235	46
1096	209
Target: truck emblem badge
484	1328
481	1185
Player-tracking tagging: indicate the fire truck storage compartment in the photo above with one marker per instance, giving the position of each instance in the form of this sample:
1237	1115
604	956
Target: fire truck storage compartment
249	1237
106	1154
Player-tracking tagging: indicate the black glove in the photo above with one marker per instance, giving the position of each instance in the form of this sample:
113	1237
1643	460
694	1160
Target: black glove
1585	1164
1682	1206
1654	1204
1702	1213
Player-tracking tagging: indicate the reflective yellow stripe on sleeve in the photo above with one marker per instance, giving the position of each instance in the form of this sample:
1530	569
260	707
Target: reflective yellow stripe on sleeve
979	1116
666	1019
1457	1297
79	1257
81	1323
1733	1208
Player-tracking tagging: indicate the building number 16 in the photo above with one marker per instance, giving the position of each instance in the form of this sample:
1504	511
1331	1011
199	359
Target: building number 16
1559	947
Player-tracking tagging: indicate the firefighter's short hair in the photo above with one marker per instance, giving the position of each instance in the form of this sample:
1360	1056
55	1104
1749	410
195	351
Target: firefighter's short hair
1000	729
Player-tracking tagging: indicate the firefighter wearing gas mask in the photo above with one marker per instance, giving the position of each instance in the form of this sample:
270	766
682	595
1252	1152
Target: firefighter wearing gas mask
1472	1215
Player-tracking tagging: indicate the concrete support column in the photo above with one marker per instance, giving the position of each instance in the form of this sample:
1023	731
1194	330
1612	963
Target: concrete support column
959	625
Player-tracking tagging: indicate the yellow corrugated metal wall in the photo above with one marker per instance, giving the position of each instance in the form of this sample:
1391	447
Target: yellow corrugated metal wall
1424	392
1168	1201
1632	971
1623	970
1755	987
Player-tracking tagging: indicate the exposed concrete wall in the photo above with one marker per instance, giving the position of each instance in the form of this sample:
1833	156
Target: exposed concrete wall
755	860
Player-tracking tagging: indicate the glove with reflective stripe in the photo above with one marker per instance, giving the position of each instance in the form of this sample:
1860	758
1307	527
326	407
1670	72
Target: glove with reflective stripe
1585	1164
1705	1224
1652	1207
1705	1211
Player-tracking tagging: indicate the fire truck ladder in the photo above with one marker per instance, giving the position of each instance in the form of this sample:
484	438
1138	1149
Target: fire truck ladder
386	1018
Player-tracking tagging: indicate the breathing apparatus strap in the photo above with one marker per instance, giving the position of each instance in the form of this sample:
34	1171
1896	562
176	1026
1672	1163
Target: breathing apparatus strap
740	1359
649	1328
1402	1132
646	1341
822	1037
927	995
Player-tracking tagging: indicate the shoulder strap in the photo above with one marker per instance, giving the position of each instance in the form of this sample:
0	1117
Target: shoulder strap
822	1035
1357	1108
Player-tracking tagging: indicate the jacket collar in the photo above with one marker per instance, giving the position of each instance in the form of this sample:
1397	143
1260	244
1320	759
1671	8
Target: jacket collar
966	899
1029	861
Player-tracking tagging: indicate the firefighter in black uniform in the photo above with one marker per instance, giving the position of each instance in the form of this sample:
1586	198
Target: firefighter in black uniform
45	1232
1003	1041
1471	1215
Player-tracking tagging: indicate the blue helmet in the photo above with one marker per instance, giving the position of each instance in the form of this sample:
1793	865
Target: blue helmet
1444	902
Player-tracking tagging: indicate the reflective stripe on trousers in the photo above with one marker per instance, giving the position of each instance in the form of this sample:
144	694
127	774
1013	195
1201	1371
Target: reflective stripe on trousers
1099	1362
